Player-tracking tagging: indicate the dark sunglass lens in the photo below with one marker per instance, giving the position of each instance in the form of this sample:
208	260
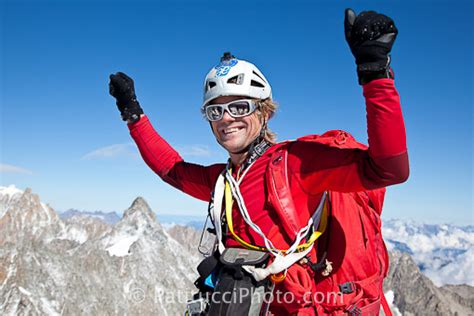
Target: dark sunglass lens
239	108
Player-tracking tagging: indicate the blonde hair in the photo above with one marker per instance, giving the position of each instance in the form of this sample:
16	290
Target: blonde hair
267	109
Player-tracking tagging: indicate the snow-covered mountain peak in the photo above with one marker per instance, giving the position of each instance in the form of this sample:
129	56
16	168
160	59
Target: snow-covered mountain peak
140	216
7	196
24	214
10	190
138	222
139	205
86	267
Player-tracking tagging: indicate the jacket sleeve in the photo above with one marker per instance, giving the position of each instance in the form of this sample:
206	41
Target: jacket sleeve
195	180
339	163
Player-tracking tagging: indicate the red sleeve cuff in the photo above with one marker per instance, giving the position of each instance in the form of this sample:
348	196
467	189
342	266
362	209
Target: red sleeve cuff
375	85
142	121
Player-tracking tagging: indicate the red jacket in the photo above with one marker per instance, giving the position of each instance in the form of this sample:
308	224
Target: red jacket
314	167
335	163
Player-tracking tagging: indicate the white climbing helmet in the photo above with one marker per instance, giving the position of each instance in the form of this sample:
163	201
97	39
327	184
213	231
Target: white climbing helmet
234	76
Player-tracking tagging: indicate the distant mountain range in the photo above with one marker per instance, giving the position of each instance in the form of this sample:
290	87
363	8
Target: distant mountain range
109	218
444	253
85	264
112	218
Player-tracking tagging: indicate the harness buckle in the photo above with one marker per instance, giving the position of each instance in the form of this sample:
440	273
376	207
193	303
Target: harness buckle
346	288
354	311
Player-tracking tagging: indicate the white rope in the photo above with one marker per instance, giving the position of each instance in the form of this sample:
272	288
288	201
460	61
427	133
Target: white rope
219	193
235	189
234	186
217	210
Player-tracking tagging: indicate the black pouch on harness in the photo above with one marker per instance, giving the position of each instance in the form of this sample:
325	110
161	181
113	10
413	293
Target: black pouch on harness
236	292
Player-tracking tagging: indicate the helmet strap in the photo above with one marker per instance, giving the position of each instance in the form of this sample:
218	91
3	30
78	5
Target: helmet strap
256	148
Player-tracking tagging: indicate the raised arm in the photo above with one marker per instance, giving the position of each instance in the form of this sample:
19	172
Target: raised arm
197	181
336	161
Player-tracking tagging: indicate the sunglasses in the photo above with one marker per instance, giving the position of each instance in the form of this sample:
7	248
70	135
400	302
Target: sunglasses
238	108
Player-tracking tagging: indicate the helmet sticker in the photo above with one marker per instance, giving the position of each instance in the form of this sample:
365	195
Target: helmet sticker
224	67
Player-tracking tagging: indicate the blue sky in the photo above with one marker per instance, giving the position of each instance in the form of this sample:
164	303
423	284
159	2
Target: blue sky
62	136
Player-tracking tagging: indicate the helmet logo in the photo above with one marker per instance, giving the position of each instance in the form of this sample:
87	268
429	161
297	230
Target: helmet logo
224	67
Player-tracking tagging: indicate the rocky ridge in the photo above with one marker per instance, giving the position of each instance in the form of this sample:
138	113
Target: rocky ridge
413	290
83	266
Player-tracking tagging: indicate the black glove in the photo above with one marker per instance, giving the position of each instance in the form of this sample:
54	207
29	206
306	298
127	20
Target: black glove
370	36
122	89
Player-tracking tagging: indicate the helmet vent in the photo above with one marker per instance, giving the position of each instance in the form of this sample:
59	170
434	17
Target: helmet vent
209	85
239	79
256	74
256	84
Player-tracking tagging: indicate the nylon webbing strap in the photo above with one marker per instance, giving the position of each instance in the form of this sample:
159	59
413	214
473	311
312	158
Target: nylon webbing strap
319	218
228	213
